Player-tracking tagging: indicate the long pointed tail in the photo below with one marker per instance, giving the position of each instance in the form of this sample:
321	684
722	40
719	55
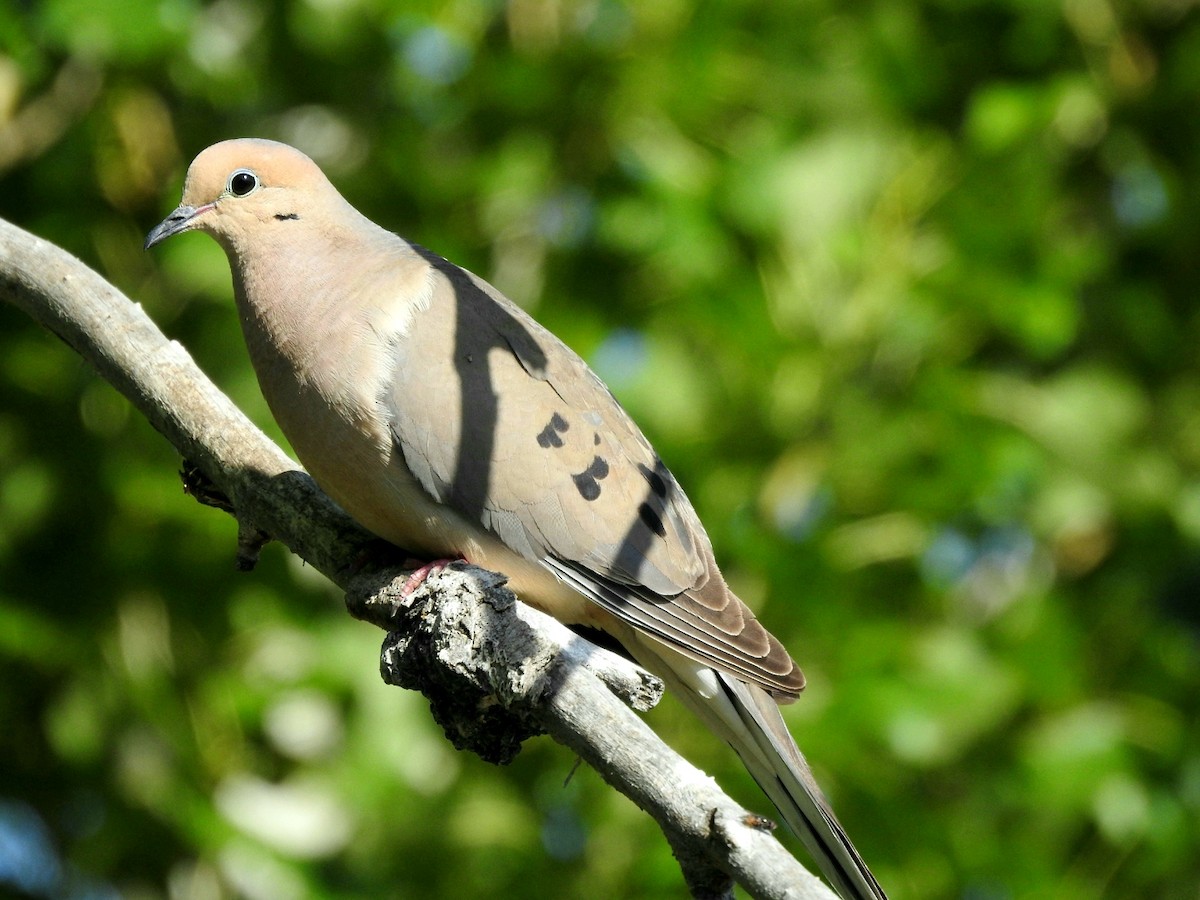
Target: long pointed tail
748	718
772	757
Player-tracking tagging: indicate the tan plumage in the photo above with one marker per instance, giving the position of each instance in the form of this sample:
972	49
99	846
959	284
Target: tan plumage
446	420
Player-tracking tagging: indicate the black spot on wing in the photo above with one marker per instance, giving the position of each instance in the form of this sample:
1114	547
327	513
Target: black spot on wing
588	488
631	556
656	481
652	520
588	481
549	436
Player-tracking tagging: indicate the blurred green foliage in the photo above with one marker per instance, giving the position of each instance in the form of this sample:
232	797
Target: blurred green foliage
904	292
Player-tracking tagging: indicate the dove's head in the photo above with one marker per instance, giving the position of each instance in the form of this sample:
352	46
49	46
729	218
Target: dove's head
244	190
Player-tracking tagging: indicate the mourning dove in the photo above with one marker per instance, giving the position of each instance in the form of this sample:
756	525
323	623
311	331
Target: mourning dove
446	420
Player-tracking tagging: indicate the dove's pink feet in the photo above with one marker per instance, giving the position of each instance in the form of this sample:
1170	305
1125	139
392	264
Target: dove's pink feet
417	578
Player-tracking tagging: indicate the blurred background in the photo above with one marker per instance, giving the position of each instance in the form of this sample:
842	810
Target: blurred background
905	293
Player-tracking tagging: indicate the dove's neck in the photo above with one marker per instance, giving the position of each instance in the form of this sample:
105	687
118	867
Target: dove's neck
320	304
307	288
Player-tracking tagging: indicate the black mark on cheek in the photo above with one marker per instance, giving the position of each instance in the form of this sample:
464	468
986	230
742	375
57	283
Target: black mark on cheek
651	520
549	436
588	481
284	217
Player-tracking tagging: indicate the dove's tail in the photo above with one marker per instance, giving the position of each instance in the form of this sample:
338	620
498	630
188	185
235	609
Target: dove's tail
768	751
748	718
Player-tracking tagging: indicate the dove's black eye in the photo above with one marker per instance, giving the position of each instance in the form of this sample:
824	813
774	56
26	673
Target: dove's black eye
242	182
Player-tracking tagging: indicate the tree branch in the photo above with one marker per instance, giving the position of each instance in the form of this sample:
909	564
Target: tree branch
495	671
